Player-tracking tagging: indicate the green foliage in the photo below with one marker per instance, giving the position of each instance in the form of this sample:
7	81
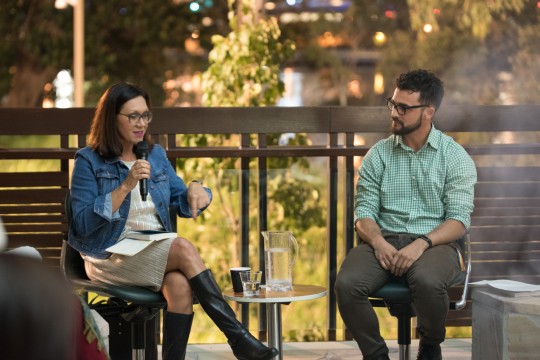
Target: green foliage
526	67
32	37
305	210
471	45
142	42
473	16
136	41
364	18
244	65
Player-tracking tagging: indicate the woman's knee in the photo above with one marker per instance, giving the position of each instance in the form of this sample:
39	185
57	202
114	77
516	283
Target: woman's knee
175	284
183	247
178	293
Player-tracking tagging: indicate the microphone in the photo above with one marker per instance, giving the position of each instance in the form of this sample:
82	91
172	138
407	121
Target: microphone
142	153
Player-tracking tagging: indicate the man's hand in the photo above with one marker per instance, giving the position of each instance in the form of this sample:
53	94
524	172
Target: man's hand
385	253
405	257
197	198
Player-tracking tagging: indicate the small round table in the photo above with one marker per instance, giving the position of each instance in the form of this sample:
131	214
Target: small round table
273	301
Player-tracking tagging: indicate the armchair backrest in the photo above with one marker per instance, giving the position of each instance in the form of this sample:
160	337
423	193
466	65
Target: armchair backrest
71	262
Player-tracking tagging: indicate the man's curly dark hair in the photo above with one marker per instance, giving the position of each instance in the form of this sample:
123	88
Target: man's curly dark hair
429	86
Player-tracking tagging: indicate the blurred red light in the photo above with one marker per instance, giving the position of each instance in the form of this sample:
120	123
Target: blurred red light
391	14
437	11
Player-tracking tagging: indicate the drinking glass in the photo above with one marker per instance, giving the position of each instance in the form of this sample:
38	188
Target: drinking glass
251	282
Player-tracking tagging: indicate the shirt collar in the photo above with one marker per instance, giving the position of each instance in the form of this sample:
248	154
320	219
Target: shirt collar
433	140
112	160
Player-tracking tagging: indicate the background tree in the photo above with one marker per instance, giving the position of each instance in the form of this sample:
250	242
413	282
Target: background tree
480	49
34	45
244	71
245	64
133	40
526	61
472	45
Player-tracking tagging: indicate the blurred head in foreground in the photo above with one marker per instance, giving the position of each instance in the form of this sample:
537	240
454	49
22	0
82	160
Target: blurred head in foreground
37	311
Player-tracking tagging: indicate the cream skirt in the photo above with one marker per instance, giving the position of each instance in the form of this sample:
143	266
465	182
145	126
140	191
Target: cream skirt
145	269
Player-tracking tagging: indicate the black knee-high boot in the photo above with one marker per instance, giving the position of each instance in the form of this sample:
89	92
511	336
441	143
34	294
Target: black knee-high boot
244	345
176	329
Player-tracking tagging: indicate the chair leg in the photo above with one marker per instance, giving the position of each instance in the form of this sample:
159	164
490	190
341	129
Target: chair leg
138	339
152	338
404	312
404	352
404	337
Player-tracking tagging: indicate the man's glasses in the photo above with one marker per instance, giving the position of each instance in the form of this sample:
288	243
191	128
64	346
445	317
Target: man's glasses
135	117
401	109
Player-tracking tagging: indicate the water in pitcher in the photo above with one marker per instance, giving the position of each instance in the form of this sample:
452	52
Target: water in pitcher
280	254
277	262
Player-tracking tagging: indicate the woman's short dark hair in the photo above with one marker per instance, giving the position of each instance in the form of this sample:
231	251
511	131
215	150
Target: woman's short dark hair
104	134
429	86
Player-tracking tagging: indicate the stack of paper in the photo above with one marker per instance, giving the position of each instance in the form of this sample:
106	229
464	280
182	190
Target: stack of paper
137	241
510	288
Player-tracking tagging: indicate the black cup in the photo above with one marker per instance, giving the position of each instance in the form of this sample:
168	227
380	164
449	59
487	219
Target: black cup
235	278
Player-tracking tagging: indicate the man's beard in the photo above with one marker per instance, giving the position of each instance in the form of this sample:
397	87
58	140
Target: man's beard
405	130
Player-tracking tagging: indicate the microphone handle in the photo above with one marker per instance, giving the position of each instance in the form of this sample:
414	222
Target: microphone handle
143	185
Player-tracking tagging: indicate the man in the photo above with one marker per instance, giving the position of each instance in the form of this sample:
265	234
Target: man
414	199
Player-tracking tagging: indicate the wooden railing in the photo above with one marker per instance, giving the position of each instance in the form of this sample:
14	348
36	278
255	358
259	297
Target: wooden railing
506	228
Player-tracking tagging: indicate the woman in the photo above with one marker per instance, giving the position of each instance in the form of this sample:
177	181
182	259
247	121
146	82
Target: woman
106	204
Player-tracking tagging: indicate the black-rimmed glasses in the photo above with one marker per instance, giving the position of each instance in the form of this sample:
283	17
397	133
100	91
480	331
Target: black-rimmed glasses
135	117
400	108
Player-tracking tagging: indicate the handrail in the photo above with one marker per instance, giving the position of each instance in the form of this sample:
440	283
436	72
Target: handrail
267	120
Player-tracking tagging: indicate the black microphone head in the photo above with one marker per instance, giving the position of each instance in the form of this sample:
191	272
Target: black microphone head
141	150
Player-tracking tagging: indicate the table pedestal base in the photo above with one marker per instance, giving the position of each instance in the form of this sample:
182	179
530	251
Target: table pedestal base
273	301
273	321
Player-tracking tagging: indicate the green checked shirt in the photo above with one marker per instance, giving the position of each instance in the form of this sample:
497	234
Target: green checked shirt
413	192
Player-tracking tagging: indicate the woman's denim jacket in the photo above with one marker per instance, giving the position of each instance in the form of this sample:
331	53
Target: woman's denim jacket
94	227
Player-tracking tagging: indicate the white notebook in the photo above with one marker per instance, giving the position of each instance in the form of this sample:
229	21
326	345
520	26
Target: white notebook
137	241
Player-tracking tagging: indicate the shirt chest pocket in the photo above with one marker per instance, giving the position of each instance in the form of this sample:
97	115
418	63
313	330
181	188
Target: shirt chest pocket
160	181
433	184
107	180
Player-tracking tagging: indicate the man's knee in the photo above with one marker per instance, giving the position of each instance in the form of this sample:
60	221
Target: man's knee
427	285
347	287
342	284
